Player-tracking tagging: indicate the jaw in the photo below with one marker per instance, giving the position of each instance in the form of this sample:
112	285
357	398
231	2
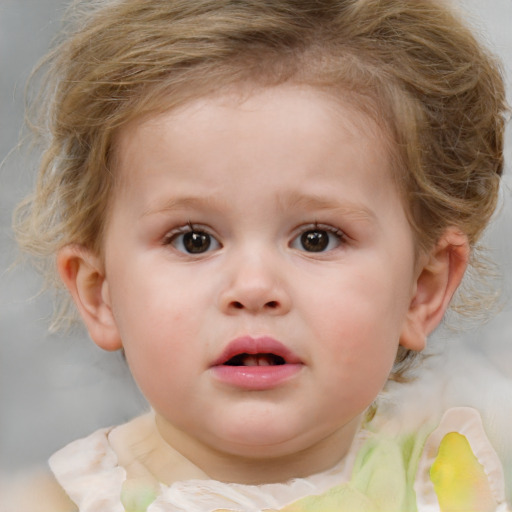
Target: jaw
255	463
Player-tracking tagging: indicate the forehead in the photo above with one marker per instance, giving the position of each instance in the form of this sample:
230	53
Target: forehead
309	114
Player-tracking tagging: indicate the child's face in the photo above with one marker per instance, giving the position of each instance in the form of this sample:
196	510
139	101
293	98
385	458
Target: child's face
265	226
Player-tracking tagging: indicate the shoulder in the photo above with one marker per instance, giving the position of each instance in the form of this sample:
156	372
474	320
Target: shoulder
458	468
34	491
451	467
88	470
101	470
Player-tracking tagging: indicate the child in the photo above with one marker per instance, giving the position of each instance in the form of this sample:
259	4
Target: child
268	206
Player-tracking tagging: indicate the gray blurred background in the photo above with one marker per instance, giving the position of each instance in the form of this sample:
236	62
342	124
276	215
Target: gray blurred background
55	388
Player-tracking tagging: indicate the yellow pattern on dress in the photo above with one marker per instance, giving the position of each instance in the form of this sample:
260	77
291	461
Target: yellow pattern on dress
459	480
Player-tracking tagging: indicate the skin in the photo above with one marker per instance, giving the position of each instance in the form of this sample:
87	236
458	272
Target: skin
252	174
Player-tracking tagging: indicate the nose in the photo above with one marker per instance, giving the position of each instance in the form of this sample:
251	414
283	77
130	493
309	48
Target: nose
255	285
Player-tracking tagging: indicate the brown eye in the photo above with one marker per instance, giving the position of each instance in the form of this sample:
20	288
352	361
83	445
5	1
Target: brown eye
315	240
191	240
318	239
196	242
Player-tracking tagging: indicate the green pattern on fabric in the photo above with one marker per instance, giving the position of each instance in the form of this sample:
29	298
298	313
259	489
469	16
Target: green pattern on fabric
136	495
382	479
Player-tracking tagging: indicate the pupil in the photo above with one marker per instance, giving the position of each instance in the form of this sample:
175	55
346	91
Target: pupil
196	242
314	241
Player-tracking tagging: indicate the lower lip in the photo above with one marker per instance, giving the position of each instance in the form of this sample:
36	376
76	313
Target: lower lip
256	378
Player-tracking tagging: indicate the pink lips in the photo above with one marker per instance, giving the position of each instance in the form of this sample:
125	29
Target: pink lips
268	363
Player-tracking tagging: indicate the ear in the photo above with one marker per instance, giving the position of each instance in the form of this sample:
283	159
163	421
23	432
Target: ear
83	275
438	277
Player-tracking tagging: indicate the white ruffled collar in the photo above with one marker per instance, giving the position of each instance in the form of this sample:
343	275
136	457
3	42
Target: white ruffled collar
89	472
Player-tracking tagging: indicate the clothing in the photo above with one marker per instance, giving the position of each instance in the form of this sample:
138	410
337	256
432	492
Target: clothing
452	468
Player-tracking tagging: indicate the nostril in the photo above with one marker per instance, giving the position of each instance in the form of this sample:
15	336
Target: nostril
273	304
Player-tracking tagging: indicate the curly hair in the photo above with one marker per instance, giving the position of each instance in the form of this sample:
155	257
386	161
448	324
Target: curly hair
415	67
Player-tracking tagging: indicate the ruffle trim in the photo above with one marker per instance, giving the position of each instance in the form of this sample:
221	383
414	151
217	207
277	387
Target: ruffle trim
88	470
467	422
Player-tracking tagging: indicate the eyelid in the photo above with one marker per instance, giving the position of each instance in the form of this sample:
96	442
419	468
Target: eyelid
185	228
321	227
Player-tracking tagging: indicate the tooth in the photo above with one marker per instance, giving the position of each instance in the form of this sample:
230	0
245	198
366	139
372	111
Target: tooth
264	361
251	361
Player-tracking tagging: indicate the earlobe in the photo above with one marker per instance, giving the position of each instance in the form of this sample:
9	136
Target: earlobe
440	273
82	273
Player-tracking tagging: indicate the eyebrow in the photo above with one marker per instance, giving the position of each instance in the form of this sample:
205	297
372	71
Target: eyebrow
181	203
314	202
285	202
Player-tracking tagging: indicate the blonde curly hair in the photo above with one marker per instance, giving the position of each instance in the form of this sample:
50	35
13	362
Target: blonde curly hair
413	66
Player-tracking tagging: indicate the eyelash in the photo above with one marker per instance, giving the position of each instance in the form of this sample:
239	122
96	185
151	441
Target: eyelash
202	236
173	237
317	227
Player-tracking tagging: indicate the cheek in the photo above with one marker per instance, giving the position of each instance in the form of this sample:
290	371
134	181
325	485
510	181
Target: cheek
146	299
160	323
358	326
359	307
163	366
152	329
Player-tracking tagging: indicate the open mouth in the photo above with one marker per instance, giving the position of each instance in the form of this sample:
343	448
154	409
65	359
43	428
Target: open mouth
247	351
256	364
255	360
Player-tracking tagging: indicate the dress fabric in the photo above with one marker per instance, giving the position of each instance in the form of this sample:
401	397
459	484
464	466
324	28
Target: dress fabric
451	467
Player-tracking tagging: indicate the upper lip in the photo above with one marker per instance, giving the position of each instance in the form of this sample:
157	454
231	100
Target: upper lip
258	345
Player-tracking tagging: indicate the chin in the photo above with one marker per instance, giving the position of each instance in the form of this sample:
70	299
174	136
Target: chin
266	439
